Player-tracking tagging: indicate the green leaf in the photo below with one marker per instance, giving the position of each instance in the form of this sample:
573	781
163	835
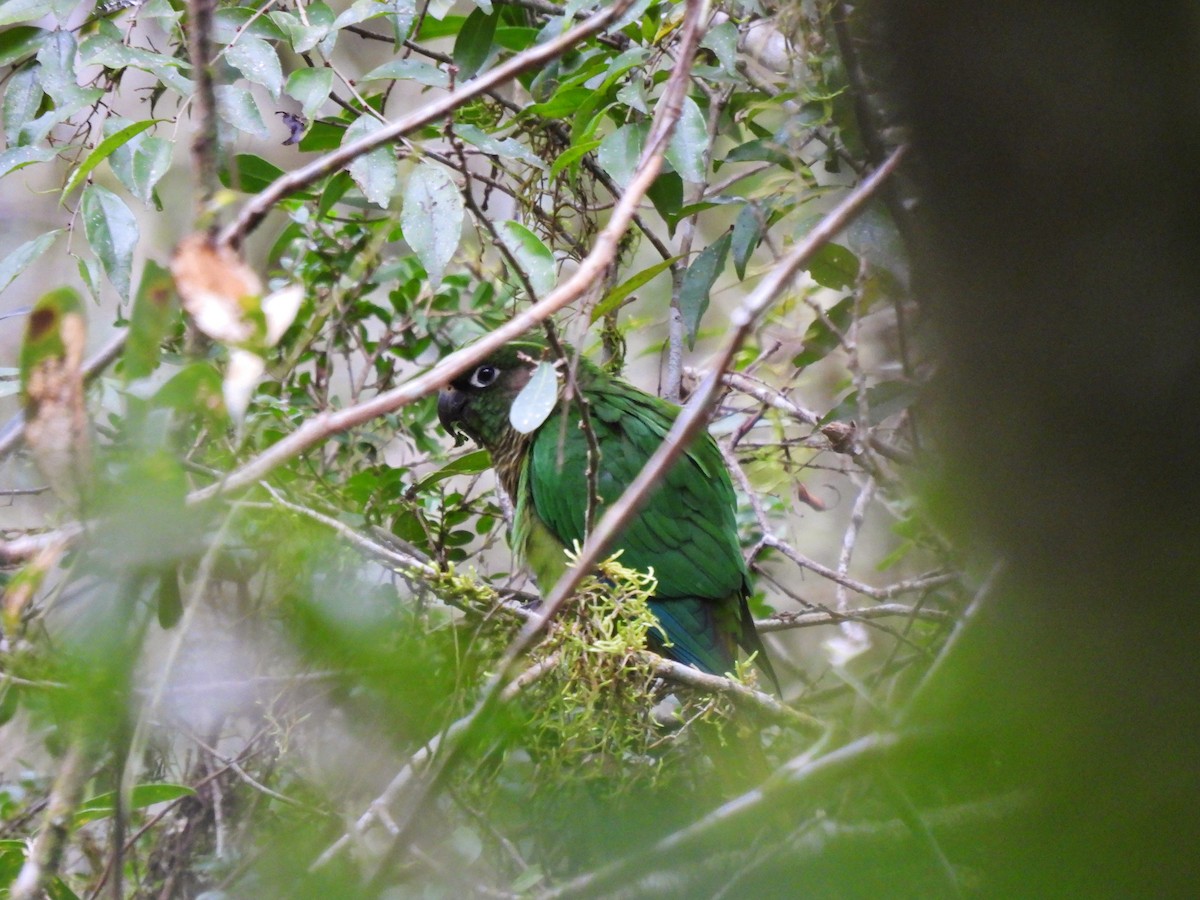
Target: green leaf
311	87
103	805
112	232
250	173
689	143
19	42
20	157
258	62
409	70
536	400
534	257
820	339
747	232
617	295
572	155
833	266
474	43
237	106
375	172
697	285
432	219
103	150
722	41
154	309
21	258
621	151
22	100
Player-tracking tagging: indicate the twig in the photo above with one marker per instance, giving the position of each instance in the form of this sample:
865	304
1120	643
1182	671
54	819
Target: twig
255	209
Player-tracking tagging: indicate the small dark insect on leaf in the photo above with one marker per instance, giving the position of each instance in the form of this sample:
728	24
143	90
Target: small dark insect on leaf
296	125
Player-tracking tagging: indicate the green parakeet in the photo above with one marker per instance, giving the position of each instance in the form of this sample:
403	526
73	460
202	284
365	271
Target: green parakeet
686	531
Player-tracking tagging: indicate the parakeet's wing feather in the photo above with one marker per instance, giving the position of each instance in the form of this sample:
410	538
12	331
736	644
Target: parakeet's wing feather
686	531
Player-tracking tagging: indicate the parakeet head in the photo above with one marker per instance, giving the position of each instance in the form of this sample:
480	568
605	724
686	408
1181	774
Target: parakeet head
476	404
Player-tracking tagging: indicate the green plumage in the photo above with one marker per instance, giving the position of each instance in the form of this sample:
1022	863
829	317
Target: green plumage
686	531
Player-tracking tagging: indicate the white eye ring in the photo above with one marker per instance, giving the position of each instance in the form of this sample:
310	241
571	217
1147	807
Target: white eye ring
484	376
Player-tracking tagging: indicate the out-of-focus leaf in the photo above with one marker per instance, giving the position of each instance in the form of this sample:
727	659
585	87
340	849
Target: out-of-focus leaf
689	143
536	400
697	285
104	805
617	295
474	43
820	339
20	259
531	254
112	231
833	266
237	106
409	70
153	310
432	219
258	62
375	172
103	150
56	425
310	86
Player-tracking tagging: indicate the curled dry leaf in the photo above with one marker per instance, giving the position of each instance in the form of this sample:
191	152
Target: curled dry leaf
56	425
216	287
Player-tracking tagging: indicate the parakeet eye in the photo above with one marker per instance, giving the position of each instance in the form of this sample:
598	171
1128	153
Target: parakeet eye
483	376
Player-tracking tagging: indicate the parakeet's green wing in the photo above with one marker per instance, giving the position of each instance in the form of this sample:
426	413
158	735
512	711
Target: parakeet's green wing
686	531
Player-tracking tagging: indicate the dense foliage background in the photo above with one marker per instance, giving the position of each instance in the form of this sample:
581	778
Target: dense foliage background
259	612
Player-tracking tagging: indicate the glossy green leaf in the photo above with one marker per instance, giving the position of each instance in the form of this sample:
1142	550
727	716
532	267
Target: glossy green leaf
474	43
22	99
375	172
103	150
697	285
536	400
747	232
432	218
617	295
534	257
237	106
689	143
112	231
620	152
21	258
409	70
311	87
258	62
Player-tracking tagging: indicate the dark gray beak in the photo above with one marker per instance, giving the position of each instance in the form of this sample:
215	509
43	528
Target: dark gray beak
451	403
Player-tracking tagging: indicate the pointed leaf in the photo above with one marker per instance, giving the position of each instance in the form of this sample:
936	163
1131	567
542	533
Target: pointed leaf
689	143
103	150
697	285
258	62
374	172
112	231
474	43
20	259
534	257
537	399
432	219
311	87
